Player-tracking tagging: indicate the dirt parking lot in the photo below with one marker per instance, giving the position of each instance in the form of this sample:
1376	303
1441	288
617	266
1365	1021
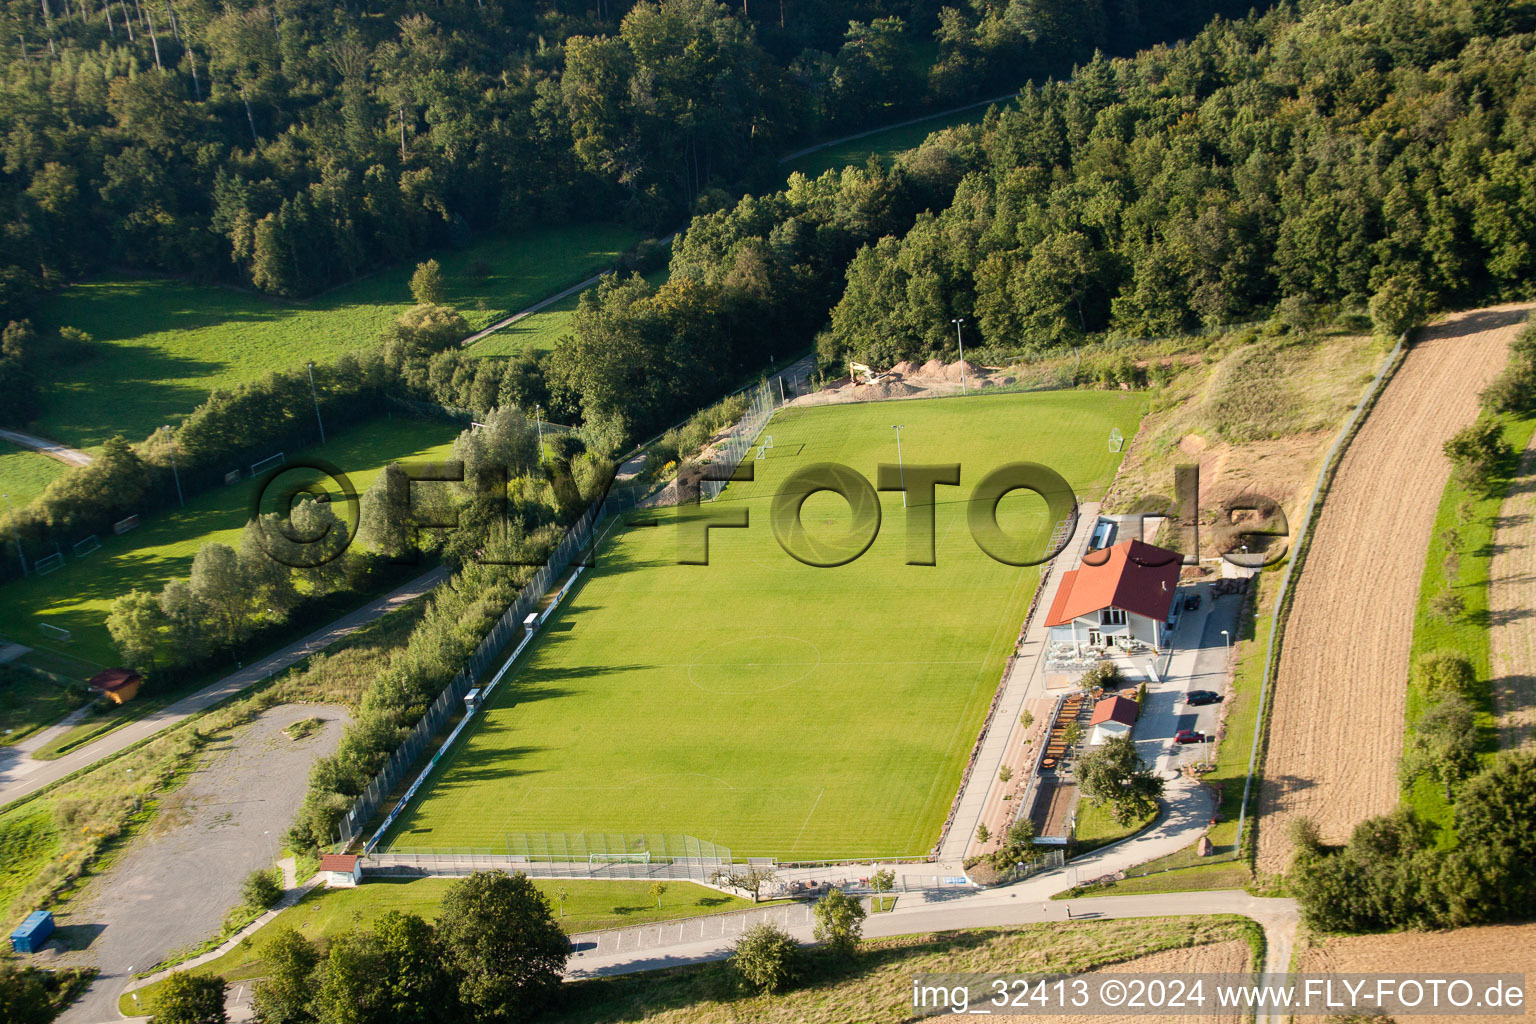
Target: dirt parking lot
1336	728
172	887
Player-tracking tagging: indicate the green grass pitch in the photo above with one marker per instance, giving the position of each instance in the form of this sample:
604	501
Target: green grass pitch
759	703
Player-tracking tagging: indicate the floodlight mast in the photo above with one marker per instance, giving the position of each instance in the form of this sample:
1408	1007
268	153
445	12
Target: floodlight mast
315	395
901	468
171	447
958	321
16	535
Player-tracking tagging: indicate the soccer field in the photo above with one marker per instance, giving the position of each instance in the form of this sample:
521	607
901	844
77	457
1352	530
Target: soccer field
766	705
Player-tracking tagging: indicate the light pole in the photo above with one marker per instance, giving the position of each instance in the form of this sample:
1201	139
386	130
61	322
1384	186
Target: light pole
900	466
538	419
16	535
961	342
316	396
171	440
1229	639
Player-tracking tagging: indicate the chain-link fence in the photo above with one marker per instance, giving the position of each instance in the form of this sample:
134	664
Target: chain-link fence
761	402
567	855
508	627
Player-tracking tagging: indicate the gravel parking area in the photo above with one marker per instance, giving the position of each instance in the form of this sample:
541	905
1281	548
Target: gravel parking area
173	886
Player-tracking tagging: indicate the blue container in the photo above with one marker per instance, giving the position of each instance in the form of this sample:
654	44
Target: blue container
33	932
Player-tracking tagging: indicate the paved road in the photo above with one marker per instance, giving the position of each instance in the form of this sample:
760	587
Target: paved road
1198	662
542	303
173	887
797	154
22	776
1028	902
52	449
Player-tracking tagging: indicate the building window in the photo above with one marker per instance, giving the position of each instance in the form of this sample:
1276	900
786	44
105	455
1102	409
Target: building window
1112	617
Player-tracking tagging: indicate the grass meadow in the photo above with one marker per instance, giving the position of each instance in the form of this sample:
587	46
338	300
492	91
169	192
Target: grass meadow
78	596
163	344
539	331
24	473
763	704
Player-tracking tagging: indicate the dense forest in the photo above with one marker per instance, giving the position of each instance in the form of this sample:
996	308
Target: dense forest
1375	155
293	144
1326	157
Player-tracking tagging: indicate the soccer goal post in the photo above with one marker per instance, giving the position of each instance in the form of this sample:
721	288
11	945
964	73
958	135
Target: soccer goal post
643	857
270	462
85	547
1116	439
122	526
49	563
58	633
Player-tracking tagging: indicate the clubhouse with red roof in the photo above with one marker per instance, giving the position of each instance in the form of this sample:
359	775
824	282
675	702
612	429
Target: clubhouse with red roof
1118	595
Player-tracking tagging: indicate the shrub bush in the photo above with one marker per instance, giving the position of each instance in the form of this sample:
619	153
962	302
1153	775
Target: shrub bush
262	888
766	958
1446	672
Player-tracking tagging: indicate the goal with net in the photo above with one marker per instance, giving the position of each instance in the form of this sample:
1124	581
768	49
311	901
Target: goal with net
122	526
270	462
85	547
1116	439
765	447
47	564
643	857
58	633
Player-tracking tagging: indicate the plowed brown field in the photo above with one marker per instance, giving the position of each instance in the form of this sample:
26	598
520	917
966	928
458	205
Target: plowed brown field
1216	958
1337	720
1492	949
1512	610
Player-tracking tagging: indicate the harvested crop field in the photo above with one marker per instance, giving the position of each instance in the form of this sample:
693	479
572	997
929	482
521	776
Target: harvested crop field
1492	949
1511	610
1218	958
1337	720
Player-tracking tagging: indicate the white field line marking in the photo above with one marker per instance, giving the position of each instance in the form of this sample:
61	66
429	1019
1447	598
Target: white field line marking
956	730
807	821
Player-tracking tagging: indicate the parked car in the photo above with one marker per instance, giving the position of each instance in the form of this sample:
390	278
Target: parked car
1198	698
1188	736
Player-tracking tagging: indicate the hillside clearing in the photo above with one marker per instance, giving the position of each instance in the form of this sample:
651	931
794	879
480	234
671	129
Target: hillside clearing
163	344
78	596
24	473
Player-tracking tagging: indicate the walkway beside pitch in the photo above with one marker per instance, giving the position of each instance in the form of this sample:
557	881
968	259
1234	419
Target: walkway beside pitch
982	790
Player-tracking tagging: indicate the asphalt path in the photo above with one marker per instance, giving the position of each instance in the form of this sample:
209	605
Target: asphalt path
52	449
21	776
